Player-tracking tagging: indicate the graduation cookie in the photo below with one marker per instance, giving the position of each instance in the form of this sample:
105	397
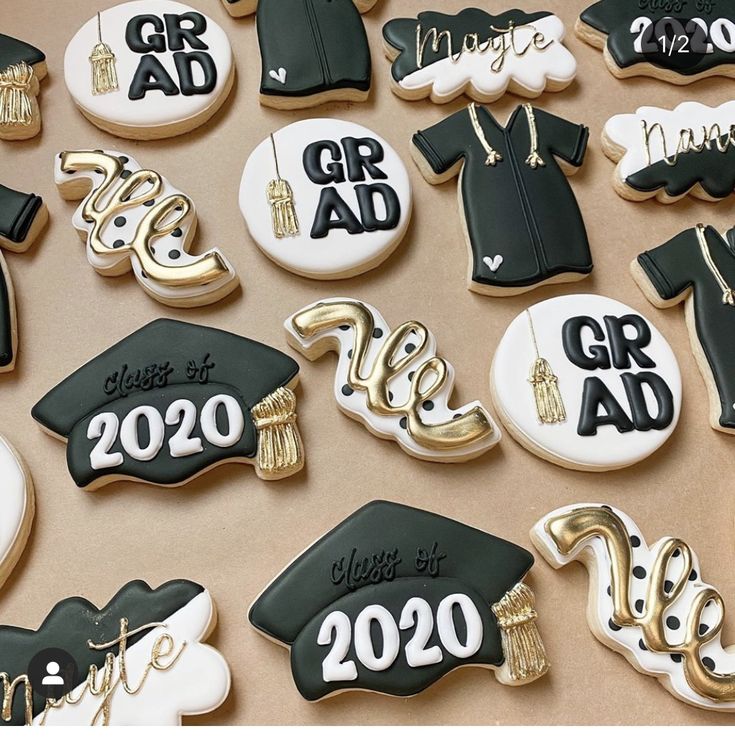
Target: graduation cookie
679	41
521	221
22	217
697	267
394	598
326	198
669	154
22	67
319	54
172	401
139	660
586	382
17	508
149	69
646	602
392	381
130	217
475	52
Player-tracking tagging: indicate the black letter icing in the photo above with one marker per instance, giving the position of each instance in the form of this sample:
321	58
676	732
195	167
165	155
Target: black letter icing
312	159
183	62
134	34
642	418
624	348
151	75
358	163
331	202
366	193
178	35
594	394
571	334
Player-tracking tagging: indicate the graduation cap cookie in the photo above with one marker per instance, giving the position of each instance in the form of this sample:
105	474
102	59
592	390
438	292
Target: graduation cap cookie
21	68
394	598
139	660
172	401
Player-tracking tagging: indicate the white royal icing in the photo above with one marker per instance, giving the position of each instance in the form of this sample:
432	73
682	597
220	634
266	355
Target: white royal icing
155	109
531	71
338	254
197	683
170	250
15	502
355	404
626	131
514	396
625	640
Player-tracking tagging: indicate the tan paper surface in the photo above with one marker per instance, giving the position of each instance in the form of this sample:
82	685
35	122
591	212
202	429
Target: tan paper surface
232	532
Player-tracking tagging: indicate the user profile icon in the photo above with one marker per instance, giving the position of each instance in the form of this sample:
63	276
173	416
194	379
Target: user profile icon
53	673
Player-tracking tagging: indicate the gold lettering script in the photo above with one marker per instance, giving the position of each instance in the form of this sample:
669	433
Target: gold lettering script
162	218
504	42
712	136
429	378
100	683
569	530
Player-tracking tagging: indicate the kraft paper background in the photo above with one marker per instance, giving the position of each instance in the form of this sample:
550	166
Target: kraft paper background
232	532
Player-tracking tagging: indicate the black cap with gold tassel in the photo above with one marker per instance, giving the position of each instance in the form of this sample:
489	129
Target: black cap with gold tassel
102	59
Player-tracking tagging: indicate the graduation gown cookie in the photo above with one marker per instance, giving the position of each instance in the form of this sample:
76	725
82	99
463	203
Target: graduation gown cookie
22	217
138	660
484	55
520	218
22	67
394	598
697	267
647	602
312	52
172	401
698	37
668	154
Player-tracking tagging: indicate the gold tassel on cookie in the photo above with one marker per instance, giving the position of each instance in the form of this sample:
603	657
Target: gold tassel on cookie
549	404
102	59
523	648
280	198
280	451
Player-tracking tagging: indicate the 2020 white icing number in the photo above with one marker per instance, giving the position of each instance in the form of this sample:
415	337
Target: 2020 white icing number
107	427
336	630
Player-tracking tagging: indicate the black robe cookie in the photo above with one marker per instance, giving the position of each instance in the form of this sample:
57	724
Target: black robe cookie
475	52
139	660
679	41
172	401
394	598
697	267
521	219
22	217
22	66
312	52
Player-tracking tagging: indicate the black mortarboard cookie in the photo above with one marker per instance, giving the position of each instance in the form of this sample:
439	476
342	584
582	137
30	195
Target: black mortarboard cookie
173	400
394	598
21	67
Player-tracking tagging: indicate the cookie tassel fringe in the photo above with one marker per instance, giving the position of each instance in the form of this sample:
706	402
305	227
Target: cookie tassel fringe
280	452
549	403
523	649
104	71
280	198
17	86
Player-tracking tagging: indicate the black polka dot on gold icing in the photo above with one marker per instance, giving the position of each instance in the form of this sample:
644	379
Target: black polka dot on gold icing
177	232
642	645
428	405
668	586
174	254
639	606
349	354
635	541
676	553
673	623
456	415
344	327
639	572
347	390
708	663
609	591
614	627
123	159
703	628
676	658
410	375
403	423
120	222
150	202
125	174
118	243
377	333
410	348
693	575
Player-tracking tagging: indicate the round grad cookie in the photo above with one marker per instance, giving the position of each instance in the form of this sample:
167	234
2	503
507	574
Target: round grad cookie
17	506
326	198
586	382
149	69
